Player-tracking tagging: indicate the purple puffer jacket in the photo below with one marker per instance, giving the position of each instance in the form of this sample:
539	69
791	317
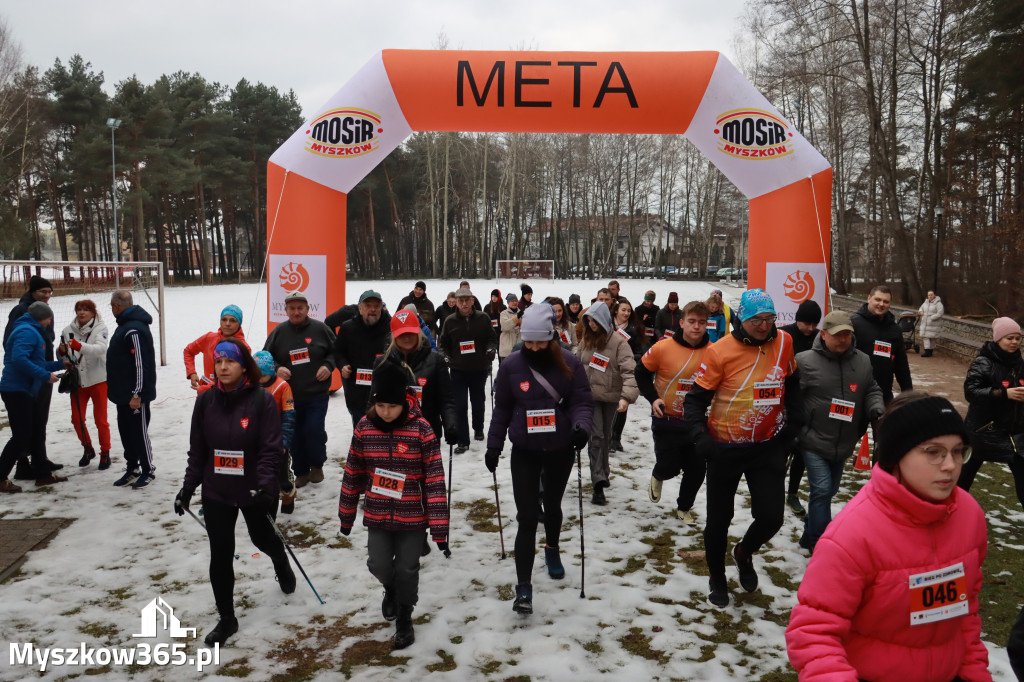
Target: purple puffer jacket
517	391
225	421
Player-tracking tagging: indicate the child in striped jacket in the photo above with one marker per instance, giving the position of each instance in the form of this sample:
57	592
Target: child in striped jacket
395	459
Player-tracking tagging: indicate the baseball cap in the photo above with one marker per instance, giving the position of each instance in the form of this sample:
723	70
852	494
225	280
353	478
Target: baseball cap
368	294
295	296
838	321
405	322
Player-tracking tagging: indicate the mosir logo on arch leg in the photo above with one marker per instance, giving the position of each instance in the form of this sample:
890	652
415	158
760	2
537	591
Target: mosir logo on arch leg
305	273
790	284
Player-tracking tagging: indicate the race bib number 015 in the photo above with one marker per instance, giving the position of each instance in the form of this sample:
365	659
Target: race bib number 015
938	595
540	421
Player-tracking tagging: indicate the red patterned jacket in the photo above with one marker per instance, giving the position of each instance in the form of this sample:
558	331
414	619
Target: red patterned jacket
410	450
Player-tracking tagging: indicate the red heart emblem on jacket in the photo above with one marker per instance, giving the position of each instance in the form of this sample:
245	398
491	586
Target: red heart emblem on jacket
402	448
853	388
309	339
244	422
525	385
422	381
1006	383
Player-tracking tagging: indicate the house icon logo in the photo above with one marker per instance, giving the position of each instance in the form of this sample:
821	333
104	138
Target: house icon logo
157	615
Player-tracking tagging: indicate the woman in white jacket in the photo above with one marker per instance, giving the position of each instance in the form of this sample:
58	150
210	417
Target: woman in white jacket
931	313
84	342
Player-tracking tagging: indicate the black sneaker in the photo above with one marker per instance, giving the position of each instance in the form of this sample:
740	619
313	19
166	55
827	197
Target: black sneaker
53	466
104	460
718	592
615	446
554	563
142	481
478	435
286	579
524	599
599	497
459	449
87	456
748	576
404	634
389	606
24	472
220	634
126	479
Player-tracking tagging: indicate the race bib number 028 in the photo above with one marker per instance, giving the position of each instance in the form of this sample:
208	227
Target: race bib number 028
388	483
540	421
938	595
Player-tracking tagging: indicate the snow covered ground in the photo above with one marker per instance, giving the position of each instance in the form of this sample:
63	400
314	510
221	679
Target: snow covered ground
644	615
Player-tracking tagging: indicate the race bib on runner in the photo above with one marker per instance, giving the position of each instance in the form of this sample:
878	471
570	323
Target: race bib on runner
364	377
938	595
649	332
563	336
667	335
229	462
540	421
767	393
712	325
684	386
467	347
494	323
883	349
623	334
388	483
841	410
418	390
299	356
599	362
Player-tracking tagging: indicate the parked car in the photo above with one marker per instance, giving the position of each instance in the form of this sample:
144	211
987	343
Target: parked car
727	272
712	270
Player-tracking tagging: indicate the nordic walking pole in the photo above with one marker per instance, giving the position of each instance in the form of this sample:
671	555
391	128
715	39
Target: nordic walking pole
497	502
583	549
198	520
277	531
451	456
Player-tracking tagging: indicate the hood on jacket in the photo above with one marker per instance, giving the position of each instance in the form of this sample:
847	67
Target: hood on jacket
678	338
134	314
27	320
599	311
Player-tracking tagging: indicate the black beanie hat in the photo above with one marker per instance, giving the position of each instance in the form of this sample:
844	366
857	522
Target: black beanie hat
390	384
495	292
525	288
914	422
573	298
809	312
37	283
421	285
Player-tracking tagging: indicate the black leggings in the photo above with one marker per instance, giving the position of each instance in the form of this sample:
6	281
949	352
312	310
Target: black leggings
220	527
531	468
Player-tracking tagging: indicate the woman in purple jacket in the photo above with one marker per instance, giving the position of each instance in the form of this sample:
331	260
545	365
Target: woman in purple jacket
235	454
542	400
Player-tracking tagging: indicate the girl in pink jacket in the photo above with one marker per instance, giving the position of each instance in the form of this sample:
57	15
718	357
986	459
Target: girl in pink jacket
891	592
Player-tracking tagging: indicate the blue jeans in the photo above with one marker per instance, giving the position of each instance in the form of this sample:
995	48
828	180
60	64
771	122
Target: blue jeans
473	382
823	476
309	444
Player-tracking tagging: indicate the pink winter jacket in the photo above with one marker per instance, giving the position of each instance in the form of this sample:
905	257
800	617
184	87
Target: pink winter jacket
854	612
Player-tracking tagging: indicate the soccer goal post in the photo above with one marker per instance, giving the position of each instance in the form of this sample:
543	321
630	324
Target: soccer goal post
524	269
75	280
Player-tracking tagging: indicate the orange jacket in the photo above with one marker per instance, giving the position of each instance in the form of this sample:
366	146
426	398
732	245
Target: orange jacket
205	345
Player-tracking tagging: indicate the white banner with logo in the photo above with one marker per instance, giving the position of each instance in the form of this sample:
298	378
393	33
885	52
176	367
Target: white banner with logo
747	138
307	274
790	284
350	134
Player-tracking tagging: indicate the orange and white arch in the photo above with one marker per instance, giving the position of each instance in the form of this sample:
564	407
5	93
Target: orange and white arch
700	95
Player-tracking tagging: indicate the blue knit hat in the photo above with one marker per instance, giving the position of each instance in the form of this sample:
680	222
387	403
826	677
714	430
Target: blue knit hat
234	311
265	361
755	302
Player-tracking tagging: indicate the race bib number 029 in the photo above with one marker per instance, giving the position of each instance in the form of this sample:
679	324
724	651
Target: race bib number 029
540	421
938	595
229	462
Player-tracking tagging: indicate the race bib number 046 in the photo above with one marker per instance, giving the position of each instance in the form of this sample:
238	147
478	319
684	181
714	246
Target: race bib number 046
938	595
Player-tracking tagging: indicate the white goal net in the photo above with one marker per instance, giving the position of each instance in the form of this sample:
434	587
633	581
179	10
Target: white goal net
524	269
75	280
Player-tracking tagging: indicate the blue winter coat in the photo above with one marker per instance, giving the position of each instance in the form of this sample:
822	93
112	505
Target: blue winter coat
25	365
517	391
131	366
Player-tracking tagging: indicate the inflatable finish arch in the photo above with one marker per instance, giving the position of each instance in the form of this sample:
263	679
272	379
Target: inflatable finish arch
697	94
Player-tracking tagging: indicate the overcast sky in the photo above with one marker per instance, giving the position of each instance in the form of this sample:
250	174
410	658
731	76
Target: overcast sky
313	47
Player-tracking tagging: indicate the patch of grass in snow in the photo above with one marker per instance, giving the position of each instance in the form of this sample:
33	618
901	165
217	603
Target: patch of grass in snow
657	580
157	577
633	564
121	593
71	612
238	668
506	592
98	671
662	550
779	577
482	515
518	678
639	644
447	662
303	535
106	632
593	646
310	650
490	667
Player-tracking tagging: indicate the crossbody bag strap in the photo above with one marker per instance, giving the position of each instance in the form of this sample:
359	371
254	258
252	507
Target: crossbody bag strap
547	386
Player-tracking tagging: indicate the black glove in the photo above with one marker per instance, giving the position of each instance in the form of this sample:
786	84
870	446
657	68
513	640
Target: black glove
443	548
579	438
704	446
182	499
490	355
491	459
265	499
345	531
451	435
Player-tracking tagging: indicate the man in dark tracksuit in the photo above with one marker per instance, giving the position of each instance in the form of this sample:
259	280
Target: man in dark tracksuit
360	341
131	386
39	289
303	349
469	344
877	334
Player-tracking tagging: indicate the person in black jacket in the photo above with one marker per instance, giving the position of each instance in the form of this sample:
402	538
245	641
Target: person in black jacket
447	307
666	322
995	419
424	306
131	386
647	313
876	333
429	378
359	342
235	454
39	289
469	344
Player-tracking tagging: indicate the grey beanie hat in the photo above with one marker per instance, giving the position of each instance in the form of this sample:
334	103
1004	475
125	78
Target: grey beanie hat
538	323
40	311
601	314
